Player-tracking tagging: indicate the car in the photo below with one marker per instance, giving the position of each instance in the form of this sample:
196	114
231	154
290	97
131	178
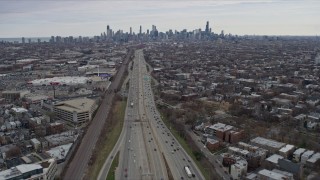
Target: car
155	149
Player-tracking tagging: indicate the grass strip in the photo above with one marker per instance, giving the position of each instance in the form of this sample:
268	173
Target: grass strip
108	139
114	165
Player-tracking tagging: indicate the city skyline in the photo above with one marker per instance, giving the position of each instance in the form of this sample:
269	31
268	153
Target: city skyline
89	18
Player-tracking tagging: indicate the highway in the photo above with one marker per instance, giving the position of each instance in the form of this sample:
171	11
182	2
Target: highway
145	142
174	154
148	143
140	157
78	166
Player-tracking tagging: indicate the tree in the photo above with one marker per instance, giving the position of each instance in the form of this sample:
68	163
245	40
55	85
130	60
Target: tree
13	152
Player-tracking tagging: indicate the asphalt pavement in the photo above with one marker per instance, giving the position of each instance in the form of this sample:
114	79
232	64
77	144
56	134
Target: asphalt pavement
78	166
146	140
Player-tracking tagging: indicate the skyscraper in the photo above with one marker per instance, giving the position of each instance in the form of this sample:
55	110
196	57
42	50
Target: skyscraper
109	31
140	32
207	27
23	40
130	30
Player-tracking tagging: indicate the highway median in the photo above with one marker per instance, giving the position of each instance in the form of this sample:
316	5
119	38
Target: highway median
109	137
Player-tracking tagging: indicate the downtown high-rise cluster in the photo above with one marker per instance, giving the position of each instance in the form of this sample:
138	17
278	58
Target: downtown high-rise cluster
152	34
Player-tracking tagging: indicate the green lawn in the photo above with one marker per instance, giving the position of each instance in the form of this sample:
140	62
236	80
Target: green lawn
114	165
110	138
185	146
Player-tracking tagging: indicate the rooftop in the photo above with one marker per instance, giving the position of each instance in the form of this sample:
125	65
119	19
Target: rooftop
67	80
274	158
268	142
221	127
299	151
62	138
60	152
286	148
308	153
273	175
78	105
314	158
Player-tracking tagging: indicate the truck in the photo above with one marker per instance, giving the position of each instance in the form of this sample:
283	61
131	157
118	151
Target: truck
131	104
186	168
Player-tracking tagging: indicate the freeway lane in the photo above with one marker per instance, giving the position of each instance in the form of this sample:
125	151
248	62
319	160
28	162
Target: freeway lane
147	137
143	159
175	155
78	166
140	157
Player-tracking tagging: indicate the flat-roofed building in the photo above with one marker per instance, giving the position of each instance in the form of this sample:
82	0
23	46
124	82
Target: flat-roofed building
272	161
238	170
45	170
271	175
76	111
271	145
11	96
219	130
314	160
297	154
287	150
305	156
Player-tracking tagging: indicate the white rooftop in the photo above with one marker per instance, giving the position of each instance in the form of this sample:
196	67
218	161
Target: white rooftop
19	110
314	158
268	142
270	174
221	127
274	158
60	152
235	149
287	148
23	168
67	80
288	174
62	138
212	141
308	153
35	141
299	151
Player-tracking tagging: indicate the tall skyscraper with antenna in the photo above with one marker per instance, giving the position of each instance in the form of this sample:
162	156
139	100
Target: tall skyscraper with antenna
207	27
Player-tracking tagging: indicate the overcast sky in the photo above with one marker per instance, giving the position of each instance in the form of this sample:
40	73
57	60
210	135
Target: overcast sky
26	18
